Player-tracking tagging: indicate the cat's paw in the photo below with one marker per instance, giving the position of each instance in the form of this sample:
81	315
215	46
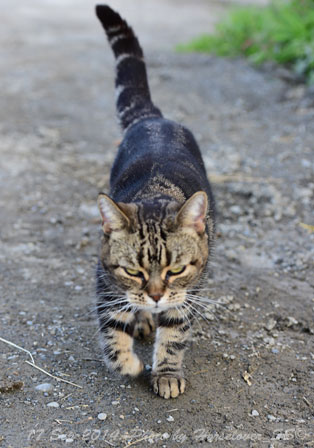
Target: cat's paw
131	365
168	386
144	325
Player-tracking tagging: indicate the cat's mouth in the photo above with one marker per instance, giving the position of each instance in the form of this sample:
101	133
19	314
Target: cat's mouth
150	304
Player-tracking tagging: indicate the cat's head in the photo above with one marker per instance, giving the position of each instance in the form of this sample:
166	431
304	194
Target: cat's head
156	251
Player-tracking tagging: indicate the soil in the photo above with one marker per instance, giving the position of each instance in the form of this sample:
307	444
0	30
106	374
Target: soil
250	365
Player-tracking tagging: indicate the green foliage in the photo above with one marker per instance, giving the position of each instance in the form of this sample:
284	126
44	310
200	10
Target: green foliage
281	32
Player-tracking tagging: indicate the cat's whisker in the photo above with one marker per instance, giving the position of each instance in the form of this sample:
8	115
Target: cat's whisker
200	314
204	300
192	311
198	305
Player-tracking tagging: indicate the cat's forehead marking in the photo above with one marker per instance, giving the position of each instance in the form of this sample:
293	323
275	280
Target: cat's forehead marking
153	245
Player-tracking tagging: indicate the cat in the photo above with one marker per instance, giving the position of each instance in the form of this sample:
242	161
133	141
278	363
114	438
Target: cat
157	226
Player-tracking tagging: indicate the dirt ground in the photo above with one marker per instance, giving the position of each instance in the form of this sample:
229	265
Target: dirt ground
250	366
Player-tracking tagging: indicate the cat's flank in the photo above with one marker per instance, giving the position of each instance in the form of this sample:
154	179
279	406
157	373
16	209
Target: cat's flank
157	226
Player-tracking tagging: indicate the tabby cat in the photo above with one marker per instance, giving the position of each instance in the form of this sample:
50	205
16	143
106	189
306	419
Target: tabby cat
157	226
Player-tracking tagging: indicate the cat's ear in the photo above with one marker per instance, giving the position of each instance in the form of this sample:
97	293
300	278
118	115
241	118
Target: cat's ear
193	212
113	218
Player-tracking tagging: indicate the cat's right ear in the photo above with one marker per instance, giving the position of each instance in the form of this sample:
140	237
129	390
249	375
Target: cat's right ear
113	218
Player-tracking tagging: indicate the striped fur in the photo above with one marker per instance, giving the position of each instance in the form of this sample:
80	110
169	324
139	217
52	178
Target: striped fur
132	91
158	227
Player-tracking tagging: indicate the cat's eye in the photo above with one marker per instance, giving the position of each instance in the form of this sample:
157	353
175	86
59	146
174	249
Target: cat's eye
176	271
133	272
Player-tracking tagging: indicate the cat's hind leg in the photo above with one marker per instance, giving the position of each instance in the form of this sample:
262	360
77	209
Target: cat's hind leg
144	325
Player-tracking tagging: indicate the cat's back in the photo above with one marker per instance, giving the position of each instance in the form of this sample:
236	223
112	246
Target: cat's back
156	147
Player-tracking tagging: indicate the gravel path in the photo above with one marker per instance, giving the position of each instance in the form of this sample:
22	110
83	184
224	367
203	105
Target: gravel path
250	368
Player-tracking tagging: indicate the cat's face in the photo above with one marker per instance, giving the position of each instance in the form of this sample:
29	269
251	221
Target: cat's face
155	260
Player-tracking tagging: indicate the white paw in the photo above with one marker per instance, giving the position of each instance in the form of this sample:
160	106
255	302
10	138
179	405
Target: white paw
131	365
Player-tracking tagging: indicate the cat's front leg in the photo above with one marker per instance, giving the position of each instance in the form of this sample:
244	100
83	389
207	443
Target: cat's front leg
116	329
172	337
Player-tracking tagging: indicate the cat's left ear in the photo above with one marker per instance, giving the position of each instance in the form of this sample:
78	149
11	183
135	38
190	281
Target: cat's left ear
193	212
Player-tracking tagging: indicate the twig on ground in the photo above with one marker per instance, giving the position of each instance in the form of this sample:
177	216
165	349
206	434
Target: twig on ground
37	367
18	347
307	227
53	376
200	371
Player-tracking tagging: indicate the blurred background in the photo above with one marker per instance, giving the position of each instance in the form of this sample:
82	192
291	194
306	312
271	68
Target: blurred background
244	89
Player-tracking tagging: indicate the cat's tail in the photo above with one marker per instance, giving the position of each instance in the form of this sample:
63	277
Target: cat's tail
132	92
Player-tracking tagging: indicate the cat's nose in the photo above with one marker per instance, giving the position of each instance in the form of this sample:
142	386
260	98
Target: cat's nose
156	297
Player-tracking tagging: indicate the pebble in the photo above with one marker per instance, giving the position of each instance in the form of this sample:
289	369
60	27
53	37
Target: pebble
165	435
255	413
44	387
270	324
53	404
209	316
269	341
231	255
102	416
236	210
170	419
271	418
291	321
115	403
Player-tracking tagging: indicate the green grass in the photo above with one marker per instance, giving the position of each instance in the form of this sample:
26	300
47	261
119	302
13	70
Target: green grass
282	32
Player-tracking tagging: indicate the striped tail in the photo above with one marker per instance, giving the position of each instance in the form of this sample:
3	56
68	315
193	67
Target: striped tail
132	92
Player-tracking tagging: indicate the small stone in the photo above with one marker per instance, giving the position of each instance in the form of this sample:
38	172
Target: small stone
102	416
69	440
291	321
148	367
269	341
271	418
231	255
121	416
270	324
115	403
165	436
44	387
53	404
255	413
236	210
170	419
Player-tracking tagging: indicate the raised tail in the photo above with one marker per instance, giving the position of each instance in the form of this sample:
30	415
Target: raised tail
132	92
